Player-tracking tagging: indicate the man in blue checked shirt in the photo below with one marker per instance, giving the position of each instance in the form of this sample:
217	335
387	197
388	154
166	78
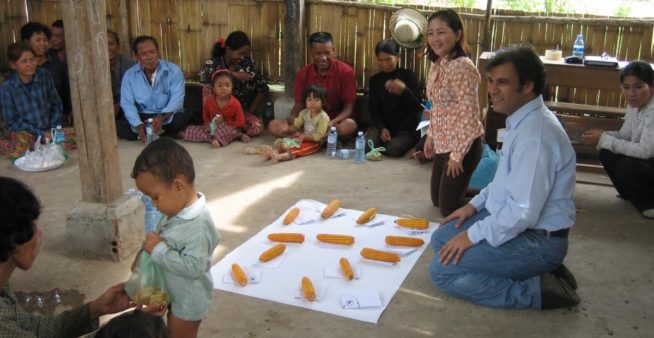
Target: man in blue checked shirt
30	102
153	88
506	247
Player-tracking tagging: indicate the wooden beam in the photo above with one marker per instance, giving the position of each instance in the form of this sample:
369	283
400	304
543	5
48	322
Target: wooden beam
489	27
90	88
293	43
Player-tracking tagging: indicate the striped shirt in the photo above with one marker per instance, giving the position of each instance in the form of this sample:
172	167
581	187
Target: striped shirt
452	87
31	109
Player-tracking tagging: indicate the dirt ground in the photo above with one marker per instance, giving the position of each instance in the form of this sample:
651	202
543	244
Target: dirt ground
611	250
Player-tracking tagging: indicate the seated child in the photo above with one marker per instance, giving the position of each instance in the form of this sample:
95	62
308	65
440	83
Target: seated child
183	241
31	106
223	105
308	129
134	324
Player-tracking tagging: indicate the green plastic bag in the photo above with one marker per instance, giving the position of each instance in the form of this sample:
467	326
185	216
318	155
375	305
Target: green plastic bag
375	153
147	285
287	143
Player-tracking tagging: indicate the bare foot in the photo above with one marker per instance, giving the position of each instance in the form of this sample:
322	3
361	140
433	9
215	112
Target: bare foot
215	144
274	157
244	138
267	152
420	157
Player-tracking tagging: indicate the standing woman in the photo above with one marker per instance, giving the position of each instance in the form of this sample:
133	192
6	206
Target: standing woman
454	135
250	87
628	154
393	102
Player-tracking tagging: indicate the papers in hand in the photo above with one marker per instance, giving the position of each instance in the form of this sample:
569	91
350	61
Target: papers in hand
423	126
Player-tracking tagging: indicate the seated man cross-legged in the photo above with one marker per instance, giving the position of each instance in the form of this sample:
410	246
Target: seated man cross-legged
153	88
506	247
335	76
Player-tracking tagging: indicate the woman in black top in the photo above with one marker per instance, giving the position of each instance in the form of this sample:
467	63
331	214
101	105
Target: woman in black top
393	102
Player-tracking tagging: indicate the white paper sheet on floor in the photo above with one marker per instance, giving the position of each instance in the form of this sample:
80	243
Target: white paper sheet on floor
281	283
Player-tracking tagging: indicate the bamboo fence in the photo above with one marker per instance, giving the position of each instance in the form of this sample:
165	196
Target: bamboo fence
187	29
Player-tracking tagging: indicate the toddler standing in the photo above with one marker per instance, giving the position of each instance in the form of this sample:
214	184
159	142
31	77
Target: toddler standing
185	238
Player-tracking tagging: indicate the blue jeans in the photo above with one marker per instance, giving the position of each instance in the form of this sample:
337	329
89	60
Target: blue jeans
504	276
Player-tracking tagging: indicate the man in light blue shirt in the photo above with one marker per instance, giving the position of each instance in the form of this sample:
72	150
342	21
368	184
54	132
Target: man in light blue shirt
506	247
153	88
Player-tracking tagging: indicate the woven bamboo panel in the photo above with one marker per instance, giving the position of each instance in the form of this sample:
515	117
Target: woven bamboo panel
187	29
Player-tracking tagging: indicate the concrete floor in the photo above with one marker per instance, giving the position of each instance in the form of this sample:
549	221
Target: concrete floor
611	250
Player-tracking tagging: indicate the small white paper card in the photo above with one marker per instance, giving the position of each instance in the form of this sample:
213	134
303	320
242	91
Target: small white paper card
412	232
334	271
333	246
271	264
400	250
422	126
361	299
254	277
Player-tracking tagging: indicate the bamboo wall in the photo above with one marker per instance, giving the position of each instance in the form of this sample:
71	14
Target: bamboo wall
187	29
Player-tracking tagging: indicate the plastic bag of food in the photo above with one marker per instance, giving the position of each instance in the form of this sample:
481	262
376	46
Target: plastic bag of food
146	285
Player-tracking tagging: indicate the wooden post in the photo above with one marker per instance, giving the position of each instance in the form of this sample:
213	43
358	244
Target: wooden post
123	12
293	43
489	26
90	89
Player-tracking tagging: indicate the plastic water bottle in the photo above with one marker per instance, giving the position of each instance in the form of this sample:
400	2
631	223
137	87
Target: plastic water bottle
152	215
578	46
332	138
360	148
59	135
149	133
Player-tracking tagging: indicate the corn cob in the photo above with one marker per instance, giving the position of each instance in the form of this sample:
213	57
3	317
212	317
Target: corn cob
331	208
273	252
291	215
367	216
286	237
404	241
239	275
307	289
346	268
336	239
419	223
378	255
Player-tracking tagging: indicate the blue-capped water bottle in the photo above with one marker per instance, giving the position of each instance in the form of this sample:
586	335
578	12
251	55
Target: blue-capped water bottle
59	135
332	138
152	215
360	148
578	46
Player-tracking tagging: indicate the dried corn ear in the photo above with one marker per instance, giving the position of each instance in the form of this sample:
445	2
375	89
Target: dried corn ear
286	237
378	255
291	215
336	239
346	268
331	208
273	252
404	241
367	216
308	291
418	223
239	275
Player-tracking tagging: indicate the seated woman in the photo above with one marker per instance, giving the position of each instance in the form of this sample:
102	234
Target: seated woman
31	106
250	87
19	247
393	102
628	154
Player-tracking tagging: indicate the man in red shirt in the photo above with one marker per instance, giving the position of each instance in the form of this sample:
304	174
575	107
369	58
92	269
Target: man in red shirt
336	76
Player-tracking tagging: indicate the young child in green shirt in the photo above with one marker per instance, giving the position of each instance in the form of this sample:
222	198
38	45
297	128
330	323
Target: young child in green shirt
185	238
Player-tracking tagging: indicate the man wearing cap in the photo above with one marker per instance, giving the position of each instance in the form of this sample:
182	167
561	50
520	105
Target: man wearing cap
326	71
506	247
152	89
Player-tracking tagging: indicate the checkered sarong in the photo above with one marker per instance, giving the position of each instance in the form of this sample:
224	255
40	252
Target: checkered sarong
224	134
